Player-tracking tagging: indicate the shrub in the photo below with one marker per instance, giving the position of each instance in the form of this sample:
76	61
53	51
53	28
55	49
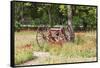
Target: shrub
17	26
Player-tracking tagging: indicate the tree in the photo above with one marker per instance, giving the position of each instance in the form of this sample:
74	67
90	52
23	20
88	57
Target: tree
70	28
35	14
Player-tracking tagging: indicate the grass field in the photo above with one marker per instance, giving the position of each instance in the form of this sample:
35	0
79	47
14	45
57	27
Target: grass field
84	46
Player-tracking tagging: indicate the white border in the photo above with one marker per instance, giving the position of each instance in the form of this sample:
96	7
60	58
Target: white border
5	33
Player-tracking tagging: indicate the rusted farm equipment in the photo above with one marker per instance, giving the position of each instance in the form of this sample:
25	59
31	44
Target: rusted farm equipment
52	35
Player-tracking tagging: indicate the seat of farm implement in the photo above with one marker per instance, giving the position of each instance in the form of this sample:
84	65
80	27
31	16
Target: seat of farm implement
54	32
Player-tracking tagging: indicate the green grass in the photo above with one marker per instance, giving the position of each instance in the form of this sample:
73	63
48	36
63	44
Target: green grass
84	46
24	53
22	57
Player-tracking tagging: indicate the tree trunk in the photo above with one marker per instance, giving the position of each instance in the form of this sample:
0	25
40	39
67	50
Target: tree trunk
49	14
70	28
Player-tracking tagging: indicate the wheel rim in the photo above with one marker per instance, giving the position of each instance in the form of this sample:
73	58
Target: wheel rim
41	38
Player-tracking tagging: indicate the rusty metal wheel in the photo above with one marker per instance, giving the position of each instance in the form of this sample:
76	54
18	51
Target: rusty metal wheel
41	37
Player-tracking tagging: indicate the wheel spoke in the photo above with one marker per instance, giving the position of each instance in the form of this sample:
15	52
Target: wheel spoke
40	38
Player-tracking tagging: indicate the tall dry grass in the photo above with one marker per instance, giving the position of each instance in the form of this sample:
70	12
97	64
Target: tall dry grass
83	49
84	46
23	53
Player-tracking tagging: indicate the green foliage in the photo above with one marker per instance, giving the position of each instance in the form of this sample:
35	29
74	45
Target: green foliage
76	21
37	21
44	19
55	14
17	26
